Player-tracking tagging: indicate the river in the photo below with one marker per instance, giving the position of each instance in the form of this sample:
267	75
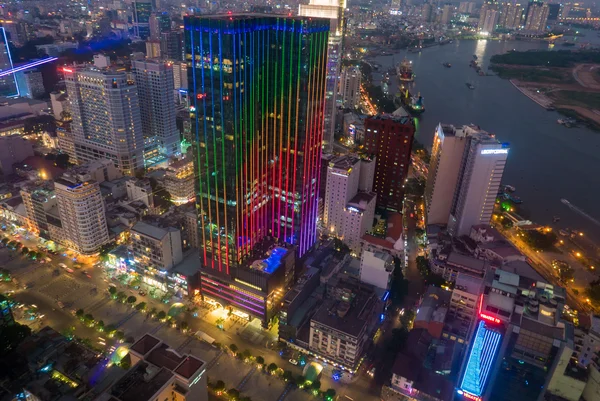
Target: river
546	162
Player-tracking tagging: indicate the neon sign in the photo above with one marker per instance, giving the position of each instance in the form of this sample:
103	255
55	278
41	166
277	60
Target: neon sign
471	396
489	318
494	151
67	70
485	346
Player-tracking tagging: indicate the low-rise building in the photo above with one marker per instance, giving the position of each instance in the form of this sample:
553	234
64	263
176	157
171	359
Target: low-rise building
391	241
179	181
376	267
432	311
159	372
458	263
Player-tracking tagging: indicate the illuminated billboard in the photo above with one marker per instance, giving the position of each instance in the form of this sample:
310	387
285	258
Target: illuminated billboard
486	344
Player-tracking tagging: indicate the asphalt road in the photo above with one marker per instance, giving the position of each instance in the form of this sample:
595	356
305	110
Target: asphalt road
90	292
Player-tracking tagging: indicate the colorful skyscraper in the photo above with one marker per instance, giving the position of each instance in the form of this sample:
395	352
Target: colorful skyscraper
257	90
8	83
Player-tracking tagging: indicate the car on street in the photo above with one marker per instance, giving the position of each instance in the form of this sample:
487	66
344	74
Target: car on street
68	269
62	265
293	362
142	292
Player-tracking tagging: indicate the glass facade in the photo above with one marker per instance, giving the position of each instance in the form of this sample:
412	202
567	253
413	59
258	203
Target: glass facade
8	83
257	90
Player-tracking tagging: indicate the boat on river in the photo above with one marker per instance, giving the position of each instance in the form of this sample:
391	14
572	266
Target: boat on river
470	85
447	65
405	72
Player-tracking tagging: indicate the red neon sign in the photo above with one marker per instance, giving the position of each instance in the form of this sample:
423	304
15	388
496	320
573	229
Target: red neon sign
67	70
489	318
471	396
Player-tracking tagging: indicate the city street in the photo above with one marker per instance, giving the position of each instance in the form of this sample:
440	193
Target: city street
542	263
58	296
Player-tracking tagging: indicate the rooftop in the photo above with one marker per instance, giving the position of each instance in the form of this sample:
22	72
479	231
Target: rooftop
145	344
150	230
466	262
164	357
189	367
273	257
346	162
141	383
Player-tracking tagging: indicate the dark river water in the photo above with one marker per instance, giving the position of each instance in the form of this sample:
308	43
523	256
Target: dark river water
547	162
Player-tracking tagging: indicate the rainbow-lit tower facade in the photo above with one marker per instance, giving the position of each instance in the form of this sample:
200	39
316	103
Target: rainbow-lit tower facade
257	98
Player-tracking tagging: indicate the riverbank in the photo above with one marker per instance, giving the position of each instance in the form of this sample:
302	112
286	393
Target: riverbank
533	94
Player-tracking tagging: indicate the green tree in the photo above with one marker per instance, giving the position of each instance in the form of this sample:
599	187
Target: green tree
234	348
25	250
152	312
119	335
246	354
271	368
11	336
543	241
330	394
18	245
88	319
79	313
184	326
112	291
110	329
287	375
5	240
233	394
316	385
121	297
407	319
161	315
260	360
593	292
100	325
141	306
219	386
300	380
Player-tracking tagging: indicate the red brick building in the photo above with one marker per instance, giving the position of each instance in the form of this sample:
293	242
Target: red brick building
390	140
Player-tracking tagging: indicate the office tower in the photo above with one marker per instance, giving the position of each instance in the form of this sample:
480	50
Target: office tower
154	81
38	201
390	140
334	11
446	156
8	83
159	23
180	77
258	96
350	87
153	49
106	117
537	17
30	84
171	45
82	214
478	182
446	14
141	18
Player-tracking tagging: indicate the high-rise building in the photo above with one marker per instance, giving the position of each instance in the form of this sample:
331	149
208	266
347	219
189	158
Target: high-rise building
466	7
536	18
554	11
154	81
8	83
158	23
257	89
488	17
478	182
511	16
334	11
447	153
390	140
171	45
350	87
141	18
38	200
446	14
348	213
343	175
106	117
153	49
426	12
82	214
30	84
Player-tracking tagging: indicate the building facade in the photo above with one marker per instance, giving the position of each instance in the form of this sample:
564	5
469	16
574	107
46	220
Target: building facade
389	140
82	214
350	87
478	183
343	176
106	117
154	81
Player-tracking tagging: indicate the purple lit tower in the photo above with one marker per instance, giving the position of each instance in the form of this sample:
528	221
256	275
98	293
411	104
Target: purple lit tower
257	94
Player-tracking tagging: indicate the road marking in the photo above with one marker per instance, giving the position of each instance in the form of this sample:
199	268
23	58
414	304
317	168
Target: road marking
125	319
154	330
246	378
286	390
185	344
215	359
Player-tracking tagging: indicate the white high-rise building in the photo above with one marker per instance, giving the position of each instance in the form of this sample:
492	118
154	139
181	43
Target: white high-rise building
343	177
376	267
82	215
446	155
154	81
350	87
334	10
106	117
478	183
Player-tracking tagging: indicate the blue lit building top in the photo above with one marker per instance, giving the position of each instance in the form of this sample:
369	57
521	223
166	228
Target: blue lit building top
486	344
272	262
